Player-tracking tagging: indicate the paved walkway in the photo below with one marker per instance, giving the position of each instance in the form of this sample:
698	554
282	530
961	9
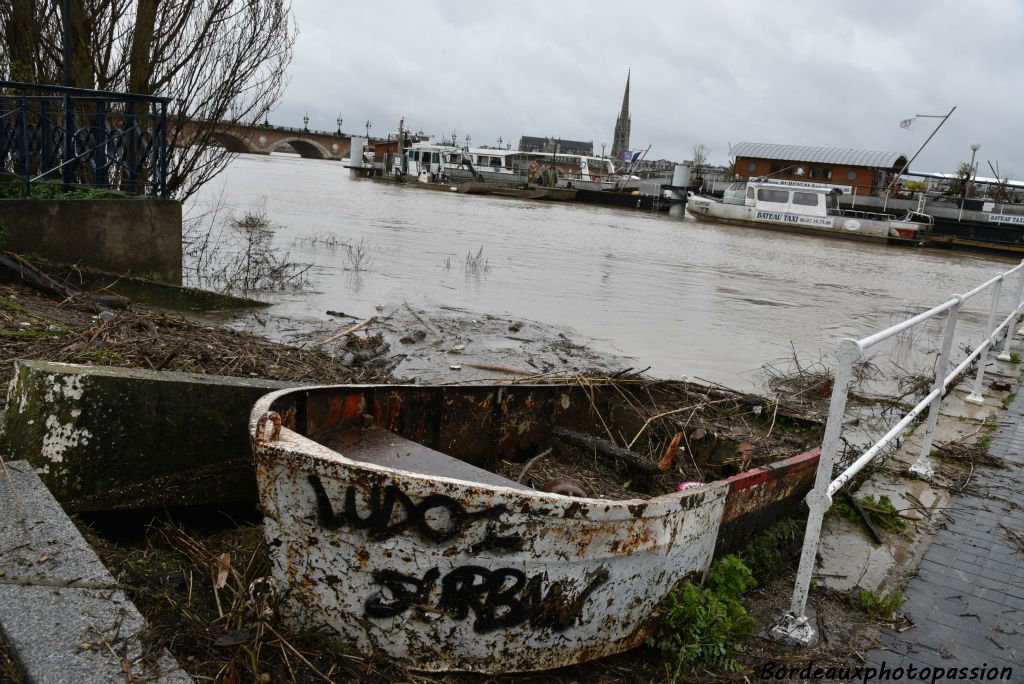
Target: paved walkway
967	600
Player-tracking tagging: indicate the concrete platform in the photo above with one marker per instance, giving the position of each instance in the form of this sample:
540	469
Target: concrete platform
61	613
967	599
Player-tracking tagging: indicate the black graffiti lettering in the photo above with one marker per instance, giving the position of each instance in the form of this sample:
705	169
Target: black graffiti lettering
502	607
324	510
456	517
493	541
460	592
436	517
405	591
496	598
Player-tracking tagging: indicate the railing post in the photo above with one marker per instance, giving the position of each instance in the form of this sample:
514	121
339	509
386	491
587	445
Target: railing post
976	397
23	143
1005	354
69	143
922	467
101	159
794	626
162	133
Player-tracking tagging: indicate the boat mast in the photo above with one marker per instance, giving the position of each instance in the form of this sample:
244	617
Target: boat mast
927	140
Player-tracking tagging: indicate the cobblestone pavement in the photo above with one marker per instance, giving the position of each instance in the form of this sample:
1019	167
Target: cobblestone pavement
967	599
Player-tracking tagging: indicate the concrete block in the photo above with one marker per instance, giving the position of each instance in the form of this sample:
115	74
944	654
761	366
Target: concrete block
38	544
107	438
61	614
134	235
80	635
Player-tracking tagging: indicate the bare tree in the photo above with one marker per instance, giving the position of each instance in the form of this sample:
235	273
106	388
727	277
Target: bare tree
23	46
700	158
222	62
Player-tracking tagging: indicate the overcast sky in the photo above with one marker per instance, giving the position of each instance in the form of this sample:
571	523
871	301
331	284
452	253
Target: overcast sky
714	73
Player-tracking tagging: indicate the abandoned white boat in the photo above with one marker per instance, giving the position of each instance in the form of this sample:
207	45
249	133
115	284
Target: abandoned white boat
387	523
804	209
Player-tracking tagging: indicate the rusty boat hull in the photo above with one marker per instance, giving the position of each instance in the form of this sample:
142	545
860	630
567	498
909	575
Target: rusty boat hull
442	565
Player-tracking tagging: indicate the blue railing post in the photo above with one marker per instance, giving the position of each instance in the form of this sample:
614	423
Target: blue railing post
69	143
23	144
46	131
162	137
100	159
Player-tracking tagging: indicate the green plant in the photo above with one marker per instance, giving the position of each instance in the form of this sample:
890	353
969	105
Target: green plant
704	625
878	607
882	511
1014	357
1008	399
52	190
770	549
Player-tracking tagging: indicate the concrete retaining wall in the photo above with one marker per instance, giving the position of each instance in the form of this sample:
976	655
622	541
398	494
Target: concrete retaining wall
137	236
109	438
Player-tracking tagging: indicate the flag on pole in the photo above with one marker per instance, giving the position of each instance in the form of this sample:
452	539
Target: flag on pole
906	123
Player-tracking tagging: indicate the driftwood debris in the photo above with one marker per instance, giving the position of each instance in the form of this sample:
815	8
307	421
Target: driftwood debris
633	461
670	453
348	331
15	269
868	522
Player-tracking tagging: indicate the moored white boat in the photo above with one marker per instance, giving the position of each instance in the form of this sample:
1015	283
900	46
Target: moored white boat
806	209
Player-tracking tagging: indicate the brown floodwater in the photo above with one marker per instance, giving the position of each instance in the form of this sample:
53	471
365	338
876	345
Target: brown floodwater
687	299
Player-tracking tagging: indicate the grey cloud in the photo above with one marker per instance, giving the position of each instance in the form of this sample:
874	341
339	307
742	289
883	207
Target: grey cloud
815	73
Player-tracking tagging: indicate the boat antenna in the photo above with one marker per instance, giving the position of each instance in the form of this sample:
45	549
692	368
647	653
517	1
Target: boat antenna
927	140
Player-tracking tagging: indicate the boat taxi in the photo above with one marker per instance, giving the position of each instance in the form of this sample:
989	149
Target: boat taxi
804	208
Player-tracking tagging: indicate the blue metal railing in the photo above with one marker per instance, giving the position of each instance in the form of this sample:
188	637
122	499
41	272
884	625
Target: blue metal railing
83	138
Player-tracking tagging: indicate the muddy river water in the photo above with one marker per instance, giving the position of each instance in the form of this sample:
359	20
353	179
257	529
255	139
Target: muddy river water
686	298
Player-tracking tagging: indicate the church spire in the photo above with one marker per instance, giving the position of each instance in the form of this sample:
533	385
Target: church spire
620	141
625	98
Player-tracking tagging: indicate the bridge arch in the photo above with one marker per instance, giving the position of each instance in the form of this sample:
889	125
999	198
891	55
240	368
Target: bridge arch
305	147
233	143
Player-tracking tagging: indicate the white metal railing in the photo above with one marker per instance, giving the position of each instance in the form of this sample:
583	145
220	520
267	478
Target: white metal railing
794	626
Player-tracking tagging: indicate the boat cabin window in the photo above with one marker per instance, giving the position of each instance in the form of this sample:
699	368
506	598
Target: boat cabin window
770	195
805	199
750	193
496	162
414	155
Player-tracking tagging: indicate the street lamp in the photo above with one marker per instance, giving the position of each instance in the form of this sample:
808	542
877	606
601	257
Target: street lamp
499	142
305	122
603	145
975	146
339	124
367	129
467	140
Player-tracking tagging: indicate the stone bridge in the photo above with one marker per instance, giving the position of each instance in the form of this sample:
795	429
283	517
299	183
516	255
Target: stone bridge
260	139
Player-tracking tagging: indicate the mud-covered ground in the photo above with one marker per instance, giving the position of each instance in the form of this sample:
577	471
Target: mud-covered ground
445	344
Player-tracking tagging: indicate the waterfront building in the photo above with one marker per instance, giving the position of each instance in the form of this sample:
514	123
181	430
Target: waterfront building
864	172
529	143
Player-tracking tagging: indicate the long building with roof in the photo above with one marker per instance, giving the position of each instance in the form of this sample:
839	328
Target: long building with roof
863	172
529	143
